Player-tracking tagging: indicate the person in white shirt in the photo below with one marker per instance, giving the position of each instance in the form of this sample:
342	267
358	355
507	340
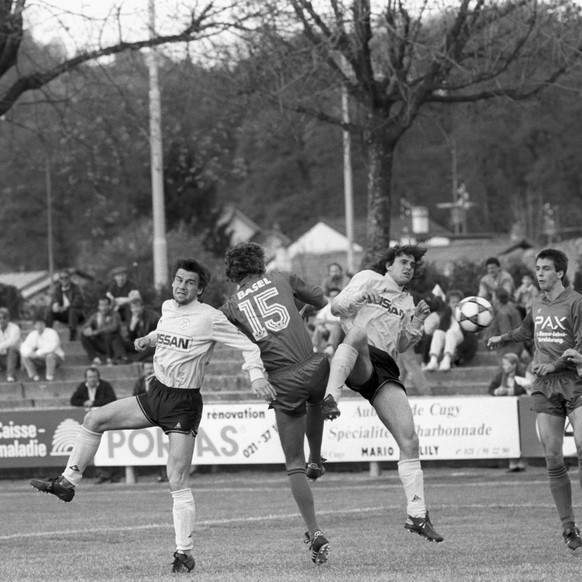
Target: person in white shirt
42	348
328	332
9	338
184	340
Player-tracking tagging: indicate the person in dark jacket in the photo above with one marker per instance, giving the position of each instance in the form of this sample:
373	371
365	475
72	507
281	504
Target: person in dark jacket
67	304
141	322
120	291
93	393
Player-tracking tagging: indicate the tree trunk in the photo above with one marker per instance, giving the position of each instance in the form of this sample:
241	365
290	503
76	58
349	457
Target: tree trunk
379	152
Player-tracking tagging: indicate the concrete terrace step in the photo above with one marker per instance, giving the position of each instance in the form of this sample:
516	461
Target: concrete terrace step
471	374
122	386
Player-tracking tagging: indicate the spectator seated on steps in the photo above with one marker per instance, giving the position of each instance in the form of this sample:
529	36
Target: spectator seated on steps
506	317
42	348
141	322
120	292
101	335
9	340
328	332
447	337
67	304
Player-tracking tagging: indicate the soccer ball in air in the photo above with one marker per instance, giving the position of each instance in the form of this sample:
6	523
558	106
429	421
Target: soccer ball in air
474	313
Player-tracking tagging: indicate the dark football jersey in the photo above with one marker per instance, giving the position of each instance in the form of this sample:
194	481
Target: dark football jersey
265	308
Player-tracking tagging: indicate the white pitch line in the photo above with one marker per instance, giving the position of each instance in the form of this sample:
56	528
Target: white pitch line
250	519
122	489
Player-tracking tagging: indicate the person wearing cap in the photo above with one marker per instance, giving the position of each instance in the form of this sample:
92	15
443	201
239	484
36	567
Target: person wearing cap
119	290
67	304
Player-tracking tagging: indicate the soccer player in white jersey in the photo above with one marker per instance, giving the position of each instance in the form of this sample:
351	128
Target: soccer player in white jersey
381	320
184	338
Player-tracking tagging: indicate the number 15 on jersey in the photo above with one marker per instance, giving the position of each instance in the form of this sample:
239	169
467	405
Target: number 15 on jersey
264	315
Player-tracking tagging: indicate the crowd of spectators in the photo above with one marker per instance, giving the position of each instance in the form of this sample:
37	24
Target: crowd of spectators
106	333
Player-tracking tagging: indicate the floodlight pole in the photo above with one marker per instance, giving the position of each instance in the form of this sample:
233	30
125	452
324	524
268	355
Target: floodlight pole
348	183
160	249
49	220
348	176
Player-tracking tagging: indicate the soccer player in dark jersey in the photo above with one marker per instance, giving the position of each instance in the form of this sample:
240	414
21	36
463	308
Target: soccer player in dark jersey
264	307
555	325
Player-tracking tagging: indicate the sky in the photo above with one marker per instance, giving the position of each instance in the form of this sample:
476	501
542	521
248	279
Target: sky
94	21
90	23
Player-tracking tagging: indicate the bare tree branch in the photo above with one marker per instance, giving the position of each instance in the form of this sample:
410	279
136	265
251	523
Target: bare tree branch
200	26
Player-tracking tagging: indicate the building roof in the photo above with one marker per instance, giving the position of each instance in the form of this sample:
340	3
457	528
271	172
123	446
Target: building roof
320	239
476	250
29	283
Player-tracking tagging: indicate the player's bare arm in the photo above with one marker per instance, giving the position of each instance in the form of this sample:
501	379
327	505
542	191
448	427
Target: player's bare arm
495	342
422	310
142	343
543	369
573	356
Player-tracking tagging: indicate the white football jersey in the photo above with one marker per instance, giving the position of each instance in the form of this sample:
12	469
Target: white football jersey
390	324
185	338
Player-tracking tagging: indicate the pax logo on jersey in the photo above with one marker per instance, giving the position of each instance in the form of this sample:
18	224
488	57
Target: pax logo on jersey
550	322
174	341
387	304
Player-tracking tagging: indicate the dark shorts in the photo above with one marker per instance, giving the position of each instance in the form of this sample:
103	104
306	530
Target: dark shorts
556	404
172	409
301	384
385	370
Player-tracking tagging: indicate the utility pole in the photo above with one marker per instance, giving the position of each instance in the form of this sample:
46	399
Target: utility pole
49	218
348	183
160	249
348	176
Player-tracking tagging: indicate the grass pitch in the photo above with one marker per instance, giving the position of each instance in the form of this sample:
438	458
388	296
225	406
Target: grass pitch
497	527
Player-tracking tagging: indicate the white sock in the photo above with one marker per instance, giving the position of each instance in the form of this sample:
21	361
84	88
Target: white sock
82	455
412	478
184	512
342	364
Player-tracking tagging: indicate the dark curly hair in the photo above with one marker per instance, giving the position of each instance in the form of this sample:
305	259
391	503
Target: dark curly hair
388	257
193	266
559	258
244	259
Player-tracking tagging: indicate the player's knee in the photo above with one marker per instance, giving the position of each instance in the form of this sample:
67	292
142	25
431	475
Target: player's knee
554	457
356	337
178	478
410	446
93	421
295	461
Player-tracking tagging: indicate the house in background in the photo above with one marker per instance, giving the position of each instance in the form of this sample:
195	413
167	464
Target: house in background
240	228
326	242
